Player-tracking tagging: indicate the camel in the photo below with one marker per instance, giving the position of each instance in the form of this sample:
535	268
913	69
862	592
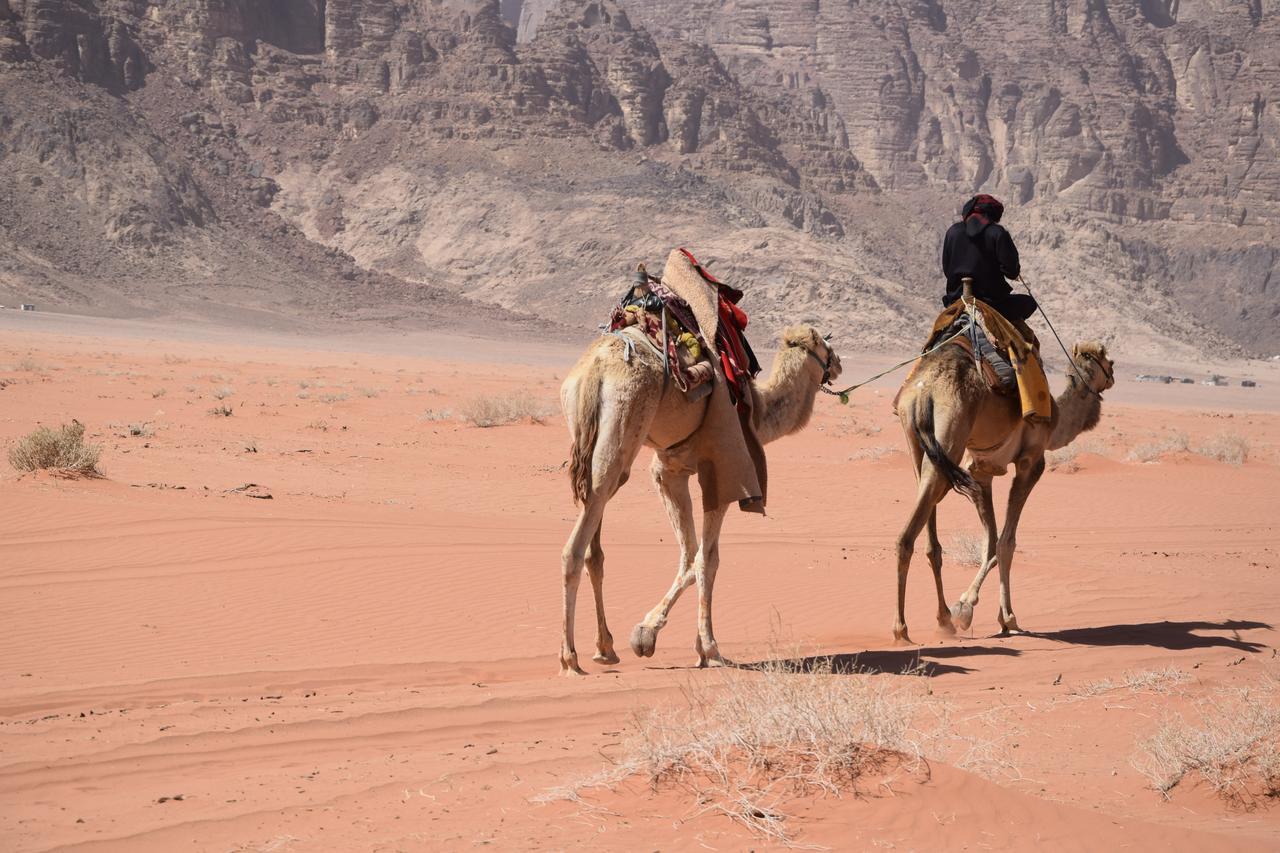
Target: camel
614	406
946	410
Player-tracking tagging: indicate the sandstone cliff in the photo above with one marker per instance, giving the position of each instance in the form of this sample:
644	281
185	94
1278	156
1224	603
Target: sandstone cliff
524	154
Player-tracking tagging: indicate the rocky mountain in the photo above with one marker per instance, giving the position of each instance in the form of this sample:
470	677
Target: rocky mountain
421	159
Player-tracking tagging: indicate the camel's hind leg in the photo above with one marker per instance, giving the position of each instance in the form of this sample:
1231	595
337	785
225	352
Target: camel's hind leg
595	570
673	487
935	562
625	412
962	610
931	488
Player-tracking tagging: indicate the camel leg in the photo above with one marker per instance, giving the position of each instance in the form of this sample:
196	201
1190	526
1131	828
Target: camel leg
935	562
962	610
1023	482
673	487
930	490
595	570
705	567
571	561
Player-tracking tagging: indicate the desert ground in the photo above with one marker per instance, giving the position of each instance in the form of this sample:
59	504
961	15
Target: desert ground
368	659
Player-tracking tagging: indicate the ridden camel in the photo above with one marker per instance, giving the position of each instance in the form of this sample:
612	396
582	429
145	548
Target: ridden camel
613	406
947	409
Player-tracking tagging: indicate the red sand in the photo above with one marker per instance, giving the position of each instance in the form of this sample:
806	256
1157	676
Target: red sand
368	660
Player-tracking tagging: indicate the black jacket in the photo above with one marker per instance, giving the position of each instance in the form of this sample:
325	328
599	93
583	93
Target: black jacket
988	258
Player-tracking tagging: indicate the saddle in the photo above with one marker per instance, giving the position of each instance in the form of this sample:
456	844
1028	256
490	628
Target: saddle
690	317
694	323
1007	352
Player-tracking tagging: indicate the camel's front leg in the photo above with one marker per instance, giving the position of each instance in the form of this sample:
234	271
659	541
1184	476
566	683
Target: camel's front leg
1024	481
962	610
673	487
705	567
595	570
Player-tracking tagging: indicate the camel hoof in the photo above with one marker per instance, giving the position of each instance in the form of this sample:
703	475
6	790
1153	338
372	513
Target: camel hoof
901	637
609	657
962	615
571	668
643	640
946	626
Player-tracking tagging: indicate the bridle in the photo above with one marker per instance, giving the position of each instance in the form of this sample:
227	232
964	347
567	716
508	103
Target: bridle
1109	374
825	365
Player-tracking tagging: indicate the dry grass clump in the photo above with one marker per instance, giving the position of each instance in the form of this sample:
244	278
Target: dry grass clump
320	425
968	549
142	430
1226	447
223	411
1150	680
497	411
223	393
1234	745
61	450
334	398
1063	459
746	745
1176	442
434	415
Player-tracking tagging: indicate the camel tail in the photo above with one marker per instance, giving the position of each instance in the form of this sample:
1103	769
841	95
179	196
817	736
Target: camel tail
586	429
958	478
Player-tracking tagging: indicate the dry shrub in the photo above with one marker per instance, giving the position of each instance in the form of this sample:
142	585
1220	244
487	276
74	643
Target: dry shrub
1226	447
434	415
497	411
1175	442
1063	459
1150	680
142	430
751	742
968	549
222	411
61	450
334	398
223	393
1233	744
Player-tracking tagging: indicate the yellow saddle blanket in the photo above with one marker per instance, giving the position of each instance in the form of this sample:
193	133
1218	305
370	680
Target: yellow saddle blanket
1018	342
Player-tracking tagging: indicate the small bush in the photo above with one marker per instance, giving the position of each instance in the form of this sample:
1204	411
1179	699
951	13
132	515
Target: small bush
159	392
57	450
1063	459
30	365
434	415
1176	442
223	393
497	411
370	392
1227	447
334	398
320	425
143	430
1148	680
743	748
222	411
1234	746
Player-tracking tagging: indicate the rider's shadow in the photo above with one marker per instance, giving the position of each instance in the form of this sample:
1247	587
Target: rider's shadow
922	661
1175	636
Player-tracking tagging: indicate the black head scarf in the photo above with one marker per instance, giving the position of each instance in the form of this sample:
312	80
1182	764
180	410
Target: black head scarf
979	212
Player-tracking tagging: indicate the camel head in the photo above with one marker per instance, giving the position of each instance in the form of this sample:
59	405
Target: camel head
823	360
1091	361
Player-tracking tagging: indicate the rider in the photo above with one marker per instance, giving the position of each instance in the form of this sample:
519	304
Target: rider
978	247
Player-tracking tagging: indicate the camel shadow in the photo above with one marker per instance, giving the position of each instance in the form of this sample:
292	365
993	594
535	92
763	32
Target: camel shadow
1175	636
921	661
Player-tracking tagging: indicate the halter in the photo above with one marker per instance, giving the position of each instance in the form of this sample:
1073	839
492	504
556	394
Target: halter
1101	366
825	365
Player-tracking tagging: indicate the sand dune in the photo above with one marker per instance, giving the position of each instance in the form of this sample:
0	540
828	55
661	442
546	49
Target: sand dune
367	660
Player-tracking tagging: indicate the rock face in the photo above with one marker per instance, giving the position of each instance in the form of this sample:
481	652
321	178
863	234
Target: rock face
526	152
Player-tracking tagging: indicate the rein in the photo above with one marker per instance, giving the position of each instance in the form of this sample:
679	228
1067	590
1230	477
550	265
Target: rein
844	394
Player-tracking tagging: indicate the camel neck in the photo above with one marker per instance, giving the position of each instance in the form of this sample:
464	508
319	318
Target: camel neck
787	396
1078	411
